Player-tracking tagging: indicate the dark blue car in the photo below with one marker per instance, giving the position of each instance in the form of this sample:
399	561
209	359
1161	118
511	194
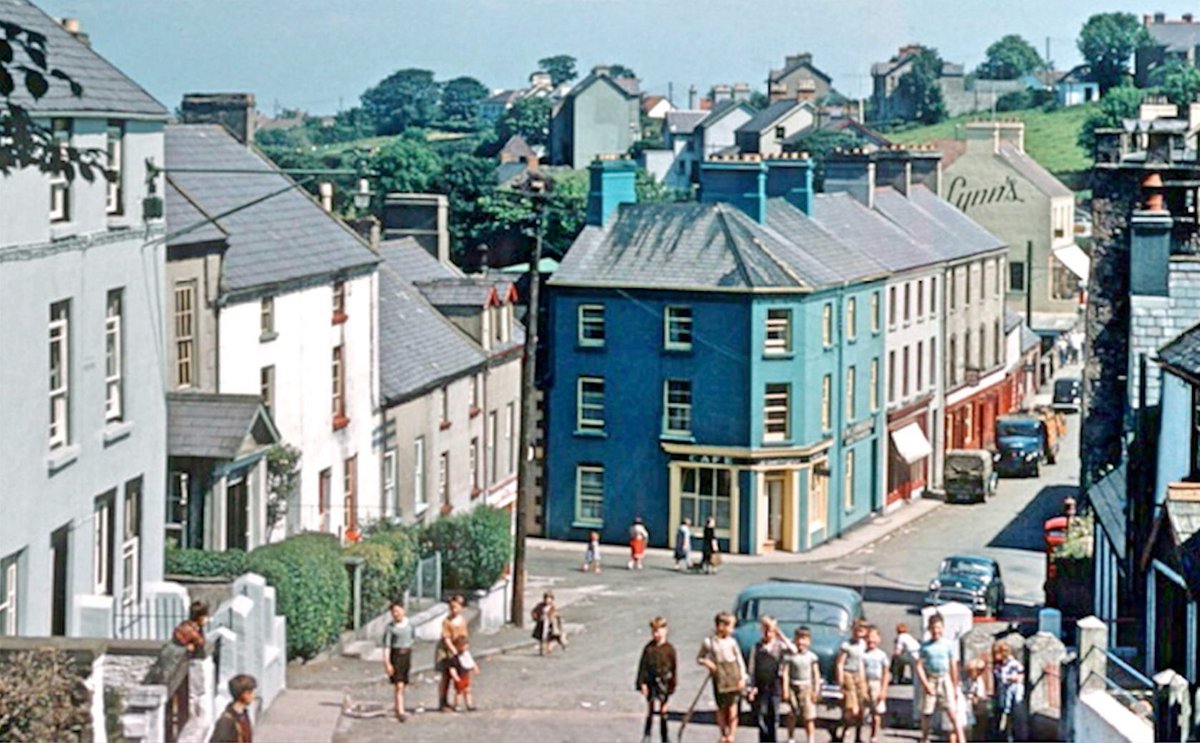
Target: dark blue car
1020	445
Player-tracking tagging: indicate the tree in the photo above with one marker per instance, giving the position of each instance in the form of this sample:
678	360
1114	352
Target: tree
1107	41
405	98
24	141
819	144
1009	58
620	70
461	98
406	164
529	118
561	68
920	85
43	697
1178	81
1116	105
283	477
466	180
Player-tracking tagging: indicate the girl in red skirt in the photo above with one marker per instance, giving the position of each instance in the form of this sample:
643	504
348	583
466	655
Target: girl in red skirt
638	536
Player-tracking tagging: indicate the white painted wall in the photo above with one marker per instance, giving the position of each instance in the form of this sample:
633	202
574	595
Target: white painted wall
1100	718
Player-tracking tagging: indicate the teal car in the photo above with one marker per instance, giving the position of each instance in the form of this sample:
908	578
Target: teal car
829	611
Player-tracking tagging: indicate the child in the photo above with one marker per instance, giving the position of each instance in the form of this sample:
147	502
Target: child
1008	677
683	545
591	558
398	637
638	536
462	668
937	671
802	684
722	657
656	677
190	632
875	668
976	698
547	624
233	726
904	654
850	676
766	660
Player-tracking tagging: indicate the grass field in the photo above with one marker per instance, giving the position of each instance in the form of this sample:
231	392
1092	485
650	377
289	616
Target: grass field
1049	136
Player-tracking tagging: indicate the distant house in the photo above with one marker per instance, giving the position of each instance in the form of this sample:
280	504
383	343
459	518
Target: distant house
600	115
540	86
1075	88
656	107
767	131
798	79
1171	40
959	95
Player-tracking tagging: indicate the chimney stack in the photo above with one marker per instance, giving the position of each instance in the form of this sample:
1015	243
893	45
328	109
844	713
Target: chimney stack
1160	17
740	180
893	168
692	98
325	189
852	172
790	175
234	111
612	182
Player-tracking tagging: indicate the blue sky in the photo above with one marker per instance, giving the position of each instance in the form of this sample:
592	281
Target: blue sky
319	54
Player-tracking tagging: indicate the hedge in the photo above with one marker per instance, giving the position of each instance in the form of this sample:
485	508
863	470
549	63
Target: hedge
43	697
379	586
476	547
312	589
205	564
404	541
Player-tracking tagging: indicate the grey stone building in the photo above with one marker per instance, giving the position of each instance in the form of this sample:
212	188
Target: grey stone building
960	95
1171	40
601	115
798	79
81	265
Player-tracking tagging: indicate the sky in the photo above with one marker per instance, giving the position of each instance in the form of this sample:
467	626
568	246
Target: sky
320	55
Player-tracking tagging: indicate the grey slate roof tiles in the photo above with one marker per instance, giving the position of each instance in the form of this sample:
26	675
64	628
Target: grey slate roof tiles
414	263
190	219
891	247
769	115
286	237
812	249
936	223
1175	36
1041	178
448	292
105	88
684	122
1183	352
1107	498
209	425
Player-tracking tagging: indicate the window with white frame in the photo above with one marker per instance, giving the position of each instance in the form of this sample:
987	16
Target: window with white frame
60	373
185	334
875	309
591	325
891	382
827	325
339	302
852	318
779	332
777	412
933	295
103	543
444	405
387	495
907	301
350	492
60	187
510	436
444	478
704	492
848	483
266	387
590	410
589	495
678	328
266	314
920	299
873	392
493	446
8	595
176	519
826	402
420	501
115	149
851	402
337	397
677	406
891	306
114	360
131	543
473	465
919	365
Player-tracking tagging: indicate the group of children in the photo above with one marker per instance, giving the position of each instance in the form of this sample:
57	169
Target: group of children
639	537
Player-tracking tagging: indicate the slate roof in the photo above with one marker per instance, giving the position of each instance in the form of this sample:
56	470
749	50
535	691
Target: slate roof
769	115
455	292
1176	36
1011	320
1108	499
684	122
890	247
878	69
1077	74
407	258
105	88
1029	339
209	425
777	75
1182	353
721	110
937	223
1029	168
627	85
186	213
287	237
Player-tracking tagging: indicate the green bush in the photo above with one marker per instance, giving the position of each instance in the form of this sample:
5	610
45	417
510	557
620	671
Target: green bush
404	542
476	547
311	589
378	573
206	564
43	697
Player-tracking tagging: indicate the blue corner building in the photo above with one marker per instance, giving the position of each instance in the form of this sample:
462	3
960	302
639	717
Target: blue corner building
713	358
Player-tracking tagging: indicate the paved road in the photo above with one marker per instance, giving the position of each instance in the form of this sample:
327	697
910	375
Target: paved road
587	693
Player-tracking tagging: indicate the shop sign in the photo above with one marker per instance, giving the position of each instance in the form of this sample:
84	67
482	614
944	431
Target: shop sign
709	459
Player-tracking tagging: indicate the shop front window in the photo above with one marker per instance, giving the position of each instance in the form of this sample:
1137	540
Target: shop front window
704	492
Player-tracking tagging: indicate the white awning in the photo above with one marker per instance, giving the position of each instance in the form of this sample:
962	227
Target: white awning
910	441
1076	261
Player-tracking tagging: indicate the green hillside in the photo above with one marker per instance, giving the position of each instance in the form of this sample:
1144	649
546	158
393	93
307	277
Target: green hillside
1049	137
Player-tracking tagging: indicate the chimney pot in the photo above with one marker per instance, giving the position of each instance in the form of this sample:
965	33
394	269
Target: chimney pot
325	189
71	25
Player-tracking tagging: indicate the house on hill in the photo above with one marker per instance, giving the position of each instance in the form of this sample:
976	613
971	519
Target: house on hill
798	79
601	114
768	130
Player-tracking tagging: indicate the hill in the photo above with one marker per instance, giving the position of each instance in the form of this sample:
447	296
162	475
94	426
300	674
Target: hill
1049	137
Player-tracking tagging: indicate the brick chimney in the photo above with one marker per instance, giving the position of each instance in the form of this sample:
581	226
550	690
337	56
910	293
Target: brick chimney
797	59
234	111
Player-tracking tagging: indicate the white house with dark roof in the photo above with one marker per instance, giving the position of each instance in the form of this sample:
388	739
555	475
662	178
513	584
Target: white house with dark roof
273	297
81	266
767	131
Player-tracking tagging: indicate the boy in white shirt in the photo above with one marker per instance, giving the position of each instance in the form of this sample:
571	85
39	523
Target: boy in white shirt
904	654
802	685
875	668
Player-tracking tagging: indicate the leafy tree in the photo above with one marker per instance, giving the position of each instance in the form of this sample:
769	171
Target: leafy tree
407	165
1009	58
461	98
406	98
467	180
920	85
1107	41
347	126
283	477
561	68
1116	105
620	70
528	117
25	142
820	144
758	100
43	697
1178	81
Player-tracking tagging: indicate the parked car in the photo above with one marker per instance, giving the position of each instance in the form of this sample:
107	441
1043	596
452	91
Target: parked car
829	611
1023	442
1068	394
970	477
972	581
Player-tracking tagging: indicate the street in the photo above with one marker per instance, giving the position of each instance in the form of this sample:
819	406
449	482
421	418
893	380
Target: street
587	694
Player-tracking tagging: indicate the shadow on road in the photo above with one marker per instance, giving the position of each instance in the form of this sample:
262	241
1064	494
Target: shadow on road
1025	531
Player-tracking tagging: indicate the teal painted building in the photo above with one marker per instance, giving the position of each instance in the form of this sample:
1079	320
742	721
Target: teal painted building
717	359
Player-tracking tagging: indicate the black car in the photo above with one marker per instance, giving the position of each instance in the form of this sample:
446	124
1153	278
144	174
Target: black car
1068	394
969	580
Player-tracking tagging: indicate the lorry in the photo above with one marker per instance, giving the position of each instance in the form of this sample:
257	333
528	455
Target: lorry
1024	442
970	477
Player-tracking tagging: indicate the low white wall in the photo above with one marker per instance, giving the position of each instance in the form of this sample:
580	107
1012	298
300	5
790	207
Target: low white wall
1099	718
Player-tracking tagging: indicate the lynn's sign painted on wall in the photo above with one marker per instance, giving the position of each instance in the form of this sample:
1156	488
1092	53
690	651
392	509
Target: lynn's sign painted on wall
964	194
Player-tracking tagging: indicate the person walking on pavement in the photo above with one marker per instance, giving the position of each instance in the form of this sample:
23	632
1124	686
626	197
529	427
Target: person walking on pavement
398	637
454	626
683	545
233	726
638	536
801	684
709	548
766	659
937	671
656	677
547	624
722	657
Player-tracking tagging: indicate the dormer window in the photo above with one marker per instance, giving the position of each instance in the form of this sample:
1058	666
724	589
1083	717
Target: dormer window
339	302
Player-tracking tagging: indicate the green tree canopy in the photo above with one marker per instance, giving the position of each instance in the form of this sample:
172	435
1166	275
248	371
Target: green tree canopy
528	117
461	98
620	70
561	68
1107	41
408	97
1116	105
406	164
1009	58
821	143
1178	81
920	85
